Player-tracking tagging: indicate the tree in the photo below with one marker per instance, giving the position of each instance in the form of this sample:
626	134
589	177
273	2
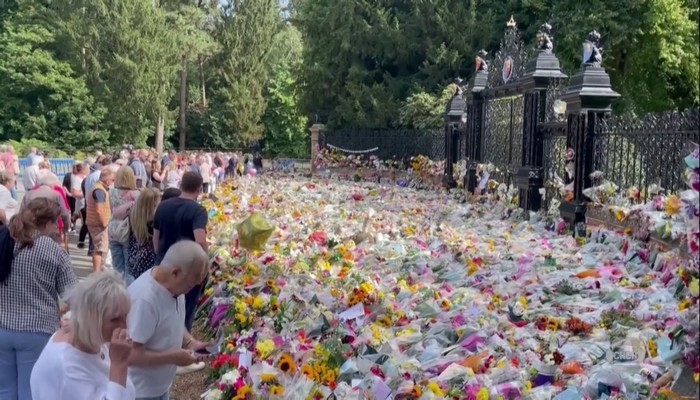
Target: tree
285	125
425	111
650	49
41	97
246	36
128	51
363	59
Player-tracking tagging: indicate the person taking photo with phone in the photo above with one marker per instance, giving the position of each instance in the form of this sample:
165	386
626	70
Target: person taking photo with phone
157	320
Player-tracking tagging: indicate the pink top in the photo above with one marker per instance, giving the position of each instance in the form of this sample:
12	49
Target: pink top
62	193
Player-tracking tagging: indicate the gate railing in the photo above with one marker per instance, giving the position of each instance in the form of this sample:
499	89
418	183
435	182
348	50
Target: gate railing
556	138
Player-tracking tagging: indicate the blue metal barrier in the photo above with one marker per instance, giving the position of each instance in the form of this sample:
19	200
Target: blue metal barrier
59	166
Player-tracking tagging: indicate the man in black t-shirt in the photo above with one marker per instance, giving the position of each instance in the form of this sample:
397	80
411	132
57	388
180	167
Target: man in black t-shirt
181	218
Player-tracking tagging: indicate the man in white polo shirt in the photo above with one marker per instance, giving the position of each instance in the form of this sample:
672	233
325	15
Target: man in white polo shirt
157	320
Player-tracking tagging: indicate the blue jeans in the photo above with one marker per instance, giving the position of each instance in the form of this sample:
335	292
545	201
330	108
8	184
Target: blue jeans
13	192
165	396
18	353
120	252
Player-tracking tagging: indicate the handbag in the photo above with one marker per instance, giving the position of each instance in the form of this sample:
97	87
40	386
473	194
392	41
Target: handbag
119	229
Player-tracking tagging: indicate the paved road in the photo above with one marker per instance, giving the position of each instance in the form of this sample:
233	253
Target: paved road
82	263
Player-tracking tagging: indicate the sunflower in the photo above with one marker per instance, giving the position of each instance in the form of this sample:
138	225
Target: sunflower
286	364
307	371
276	390
267	378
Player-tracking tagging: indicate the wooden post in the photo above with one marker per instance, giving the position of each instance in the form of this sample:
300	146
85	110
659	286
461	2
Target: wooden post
316	130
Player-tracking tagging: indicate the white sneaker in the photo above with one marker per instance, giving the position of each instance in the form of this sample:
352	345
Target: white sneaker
190	368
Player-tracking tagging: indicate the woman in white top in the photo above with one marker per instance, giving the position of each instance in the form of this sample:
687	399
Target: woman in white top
89	358
173	175
7	203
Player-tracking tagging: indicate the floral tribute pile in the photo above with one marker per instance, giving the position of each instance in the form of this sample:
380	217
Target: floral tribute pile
417	172
366	291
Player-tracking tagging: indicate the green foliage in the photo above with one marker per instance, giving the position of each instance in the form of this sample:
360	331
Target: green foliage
363	59
246	36
285	127
425	111
40	96
85	74
650	48
23	147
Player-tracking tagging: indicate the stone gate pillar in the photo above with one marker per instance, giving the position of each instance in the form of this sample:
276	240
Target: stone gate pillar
588	98
316	131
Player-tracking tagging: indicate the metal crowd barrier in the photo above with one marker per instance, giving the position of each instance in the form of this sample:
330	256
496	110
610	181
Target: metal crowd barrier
59	166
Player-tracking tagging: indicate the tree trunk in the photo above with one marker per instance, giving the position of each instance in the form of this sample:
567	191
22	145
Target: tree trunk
160	133
202	83
183	103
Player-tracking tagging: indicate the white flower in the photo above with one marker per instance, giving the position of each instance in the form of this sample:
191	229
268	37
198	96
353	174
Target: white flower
214	394
230	377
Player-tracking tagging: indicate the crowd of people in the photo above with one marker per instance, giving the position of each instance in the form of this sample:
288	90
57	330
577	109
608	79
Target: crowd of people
126	330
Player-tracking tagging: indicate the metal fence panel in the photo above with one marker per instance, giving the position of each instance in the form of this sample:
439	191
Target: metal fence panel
387	144
59	166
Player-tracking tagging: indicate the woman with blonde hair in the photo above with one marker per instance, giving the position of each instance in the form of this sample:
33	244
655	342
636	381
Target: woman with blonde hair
89	358
141	253
122	196
34	272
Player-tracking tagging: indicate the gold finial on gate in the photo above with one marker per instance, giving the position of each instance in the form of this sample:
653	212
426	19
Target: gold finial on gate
511	23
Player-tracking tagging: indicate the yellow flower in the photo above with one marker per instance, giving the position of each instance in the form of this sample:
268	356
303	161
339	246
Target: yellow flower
620	215
673	205
243	392
276	390
696	377
683	305
267	378
433	387
366	287
523	301
483	394
384	321
527	387
265	348
240	306
286	364
258	302
651	345
241	318
307	371
694	287
229	347
445	304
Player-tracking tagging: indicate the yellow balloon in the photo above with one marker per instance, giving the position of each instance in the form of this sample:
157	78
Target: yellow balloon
254	232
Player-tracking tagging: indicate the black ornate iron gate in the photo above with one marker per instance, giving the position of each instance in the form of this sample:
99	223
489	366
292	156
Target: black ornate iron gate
503	136
526	124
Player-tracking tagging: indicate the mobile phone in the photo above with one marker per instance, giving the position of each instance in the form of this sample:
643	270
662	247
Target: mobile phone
209	350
